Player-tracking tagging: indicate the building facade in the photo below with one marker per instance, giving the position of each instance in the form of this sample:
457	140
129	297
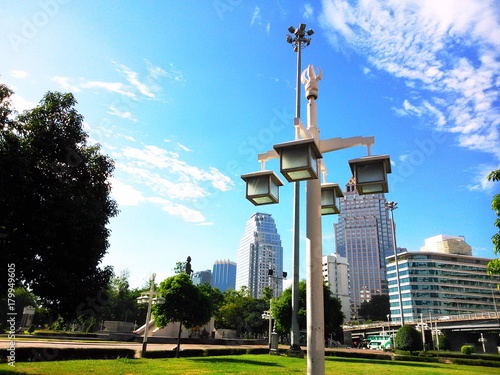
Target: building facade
224	275
260	250
441	283
336	274
363	235
202	277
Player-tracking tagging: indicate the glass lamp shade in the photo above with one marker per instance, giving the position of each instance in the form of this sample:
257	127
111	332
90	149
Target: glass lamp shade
299	159
143	299
262	187
329	195
370	174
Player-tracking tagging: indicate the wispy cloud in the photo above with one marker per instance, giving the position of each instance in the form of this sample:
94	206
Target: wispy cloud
447	51
255	15
122	114
160	176
19	74
308	11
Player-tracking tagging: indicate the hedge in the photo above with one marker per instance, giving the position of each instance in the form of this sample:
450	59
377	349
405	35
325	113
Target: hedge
61	354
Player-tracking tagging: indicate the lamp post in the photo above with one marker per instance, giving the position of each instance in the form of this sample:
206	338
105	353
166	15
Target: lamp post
149	298
299	160
273	336
299	40
392	206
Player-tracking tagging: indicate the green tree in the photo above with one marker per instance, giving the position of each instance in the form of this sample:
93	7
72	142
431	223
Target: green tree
409	339
494	265
184	303
55	202
376	309
242	313
282	311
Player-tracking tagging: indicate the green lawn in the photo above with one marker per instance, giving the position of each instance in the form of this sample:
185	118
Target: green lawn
242	364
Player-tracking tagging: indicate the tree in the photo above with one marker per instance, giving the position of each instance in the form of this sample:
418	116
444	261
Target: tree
184	303
494	265
55	202
282	311
242	313
376	309
408	338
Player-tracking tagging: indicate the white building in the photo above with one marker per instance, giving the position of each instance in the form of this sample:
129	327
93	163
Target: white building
260	250
336	274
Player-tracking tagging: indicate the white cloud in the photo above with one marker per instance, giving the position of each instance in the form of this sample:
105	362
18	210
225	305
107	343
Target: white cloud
122	114
161	176
19	74
308	11
447	51
125	195
255	15
116	87
21	104
65	83
133	78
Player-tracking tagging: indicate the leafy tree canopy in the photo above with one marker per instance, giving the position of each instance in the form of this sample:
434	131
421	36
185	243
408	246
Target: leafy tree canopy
494	266
55	202
376	309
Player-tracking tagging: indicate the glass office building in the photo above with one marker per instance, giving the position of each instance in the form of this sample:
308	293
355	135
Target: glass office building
441	284
260	250
363	235
224	275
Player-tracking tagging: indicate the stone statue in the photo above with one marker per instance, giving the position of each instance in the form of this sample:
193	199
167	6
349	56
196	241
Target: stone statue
189	271
310	80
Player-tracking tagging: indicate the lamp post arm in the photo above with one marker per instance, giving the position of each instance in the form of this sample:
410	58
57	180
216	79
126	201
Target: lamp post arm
335	144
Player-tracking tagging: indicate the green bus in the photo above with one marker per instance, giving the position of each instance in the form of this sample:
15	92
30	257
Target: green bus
379	342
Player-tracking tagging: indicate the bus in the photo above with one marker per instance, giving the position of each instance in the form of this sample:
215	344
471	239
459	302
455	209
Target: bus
379	342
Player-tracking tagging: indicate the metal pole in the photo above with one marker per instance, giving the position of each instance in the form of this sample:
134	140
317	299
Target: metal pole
392	206
295	332
148	316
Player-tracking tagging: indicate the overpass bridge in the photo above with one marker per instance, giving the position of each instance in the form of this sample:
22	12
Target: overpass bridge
460	329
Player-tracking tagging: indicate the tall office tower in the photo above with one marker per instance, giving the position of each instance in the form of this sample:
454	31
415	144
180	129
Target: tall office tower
202	277
336	274
224	275
260	250
363	235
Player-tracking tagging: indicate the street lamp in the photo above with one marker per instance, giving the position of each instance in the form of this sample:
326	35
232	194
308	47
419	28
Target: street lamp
370	174
150	298
299	40
273	336
392	206
329	195
262	187
312	149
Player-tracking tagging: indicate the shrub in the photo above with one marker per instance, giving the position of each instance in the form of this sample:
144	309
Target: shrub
467	349
408	338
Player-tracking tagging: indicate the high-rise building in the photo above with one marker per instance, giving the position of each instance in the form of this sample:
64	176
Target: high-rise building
363	235
260	250
224	275
202	277
336	274
441	282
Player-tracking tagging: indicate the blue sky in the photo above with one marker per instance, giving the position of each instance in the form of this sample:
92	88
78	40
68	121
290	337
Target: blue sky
183	95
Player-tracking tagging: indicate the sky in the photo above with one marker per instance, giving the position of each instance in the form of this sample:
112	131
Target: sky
184	95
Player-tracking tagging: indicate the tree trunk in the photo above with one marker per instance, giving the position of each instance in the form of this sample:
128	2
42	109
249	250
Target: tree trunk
178	341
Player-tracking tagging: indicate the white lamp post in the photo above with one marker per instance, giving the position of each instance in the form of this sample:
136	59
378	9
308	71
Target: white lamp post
304	166
149	298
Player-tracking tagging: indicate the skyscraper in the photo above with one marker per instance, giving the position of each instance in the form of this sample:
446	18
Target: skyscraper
260	250
224	275
363	235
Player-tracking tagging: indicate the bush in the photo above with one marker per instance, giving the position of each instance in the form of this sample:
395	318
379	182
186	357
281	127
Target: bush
467	349
408	338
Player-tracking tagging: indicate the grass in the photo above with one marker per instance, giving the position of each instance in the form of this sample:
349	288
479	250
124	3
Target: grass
242	364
